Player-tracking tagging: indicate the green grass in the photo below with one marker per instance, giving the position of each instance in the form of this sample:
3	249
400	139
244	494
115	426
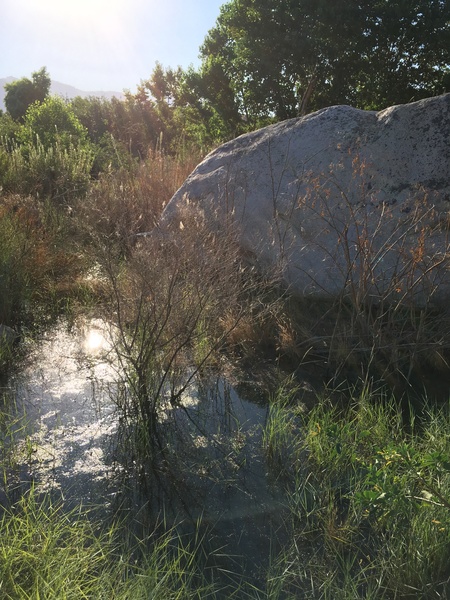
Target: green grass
51	552
370	503
48	553
279	433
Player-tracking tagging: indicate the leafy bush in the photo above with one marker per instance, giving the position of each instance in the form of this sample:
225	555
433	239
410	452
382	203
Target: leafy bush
59	173
8	129
52	122
37	262
50	156
16	249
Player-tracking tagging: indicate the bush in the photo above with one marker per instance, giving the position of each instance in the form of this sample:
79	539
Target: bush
49	156
16	250
52	122
36	260
58	173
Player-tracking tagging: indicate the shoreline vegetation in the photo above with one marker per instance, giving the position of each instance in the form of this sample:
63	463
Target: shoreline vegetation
365	464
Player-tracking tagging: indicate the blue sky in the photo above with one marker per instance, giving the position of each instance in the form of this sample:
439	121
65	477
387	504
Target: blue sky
102	44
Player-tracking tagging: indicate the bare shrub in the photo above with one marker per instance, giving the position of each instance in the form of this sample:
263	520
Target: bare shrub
176	301
391	259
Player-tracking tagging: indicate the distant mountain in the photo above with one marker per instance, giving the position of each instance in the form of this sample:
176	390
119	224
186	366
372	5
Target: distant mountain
63	90
68	91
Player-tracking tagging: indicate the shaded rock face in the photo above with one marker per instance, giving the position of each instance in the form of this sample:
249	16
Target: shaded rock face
338	201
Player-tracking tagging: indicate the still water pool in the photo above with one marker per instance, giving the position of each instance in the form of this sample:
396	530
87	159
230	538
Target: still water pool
208	476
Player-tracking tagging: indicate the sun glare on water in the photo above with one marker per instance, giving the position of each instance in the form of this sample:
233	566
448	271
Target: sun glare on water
94	341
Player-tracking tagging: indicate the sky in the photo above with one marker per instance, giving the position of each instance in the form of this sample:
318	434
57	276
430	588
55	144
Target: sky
102	45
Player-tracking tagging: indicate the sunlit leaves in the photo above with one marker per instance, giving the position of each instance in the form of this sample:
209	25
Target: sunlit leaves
367	54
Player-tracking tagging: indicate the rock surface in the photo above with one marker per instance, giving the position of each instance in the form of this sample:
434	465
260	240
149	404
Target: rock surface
338	201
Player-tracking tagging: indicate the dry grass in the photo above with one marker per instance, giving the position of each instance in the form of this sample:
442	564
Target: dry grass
128	202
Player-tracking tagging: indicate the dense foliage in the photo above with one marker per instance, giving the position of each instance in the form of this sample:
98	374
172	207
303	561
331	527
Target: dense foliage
265	57
22	93
264	61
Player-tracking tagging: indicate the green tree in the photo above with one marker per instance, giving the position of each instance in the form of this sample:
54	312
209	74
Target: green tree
182	108
407	56
52	121
117	128
170	112
268	58
204	122
95	114
20	94
159	96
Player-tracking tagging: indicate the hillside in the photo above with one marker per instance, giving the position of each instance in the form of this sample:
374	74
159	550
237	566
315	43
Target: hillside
61	89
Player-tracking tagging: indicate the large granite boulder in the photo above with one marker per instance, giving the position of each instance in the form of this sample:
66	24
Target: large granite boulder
338	201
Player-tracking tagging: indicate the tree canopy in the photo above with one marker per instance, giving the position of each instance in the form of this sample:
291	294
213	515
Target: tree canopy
20	94
263	61
264	57
52	121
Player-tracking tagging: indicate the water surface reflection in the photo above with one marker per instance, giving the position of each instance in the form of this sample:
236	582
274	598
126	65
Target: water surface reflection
208	472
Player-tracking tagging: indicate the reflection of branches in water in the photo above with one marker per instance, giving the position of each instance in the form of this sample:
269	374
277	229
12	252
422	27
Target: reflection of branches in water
219	427
204	456
174	307
151	491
